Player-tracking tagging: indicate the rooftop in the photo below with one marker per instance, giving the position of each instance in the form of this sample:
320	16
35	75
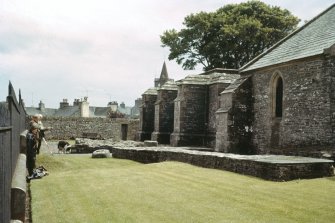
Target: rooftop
309	40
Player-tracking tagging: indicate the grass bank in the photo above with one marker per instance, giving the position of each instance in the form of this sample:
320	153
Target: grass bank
82	189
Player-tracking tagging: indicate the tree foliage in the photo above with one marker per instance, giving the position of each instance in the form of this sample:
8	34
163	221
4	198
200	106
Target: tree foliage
228	37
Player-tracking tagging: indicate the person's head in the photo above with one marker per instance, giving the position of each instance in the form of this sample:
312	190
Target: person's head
35	117
40	116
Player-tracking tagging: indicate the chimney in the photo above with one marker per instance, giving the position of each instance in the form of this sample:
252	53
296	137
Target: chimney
41	106
64	103
84	108
113	106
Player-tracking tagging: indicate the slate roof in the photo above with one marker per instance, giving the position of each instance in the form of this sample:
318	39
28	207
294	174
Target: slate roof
233	86
309	40
69	111
170	85
45	112
98	111
151	91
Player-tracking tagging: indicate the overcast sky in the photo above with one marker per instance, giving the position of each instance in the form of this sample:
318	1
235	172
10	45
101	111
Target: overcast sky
103	49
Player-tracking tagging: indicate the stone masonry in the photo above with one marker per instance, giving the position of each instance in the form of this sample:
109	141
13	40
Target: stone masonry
164	113
74	127
147	114
195	107
306	107
234	118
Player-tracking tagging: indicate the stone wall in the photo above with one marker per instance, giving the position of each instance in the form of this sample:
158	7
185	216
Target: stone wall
147	116
306	112
190	115
164	114
234	118
74	127
266	167
214	91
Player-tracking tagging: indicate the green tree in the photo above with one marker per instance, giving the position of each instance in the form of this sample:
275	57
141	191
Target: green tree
228	37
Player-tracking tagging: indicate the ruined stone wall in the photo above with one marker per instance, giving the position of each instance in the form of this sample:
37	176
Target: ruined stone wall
74	127
276	171
305	121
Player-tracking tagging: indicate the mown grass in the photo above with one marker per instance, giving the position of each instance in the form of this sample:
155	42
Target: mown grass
82	189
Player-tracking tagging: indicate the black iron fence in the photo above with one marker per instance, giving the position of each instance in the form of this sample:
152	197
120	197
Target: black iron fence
12	123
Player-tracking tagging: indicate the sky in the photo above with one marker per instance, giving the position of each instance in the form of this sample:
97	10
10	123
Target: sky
107	50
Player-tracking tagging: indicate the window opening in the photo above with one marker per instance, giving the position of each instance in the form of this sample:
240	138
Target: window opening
279	98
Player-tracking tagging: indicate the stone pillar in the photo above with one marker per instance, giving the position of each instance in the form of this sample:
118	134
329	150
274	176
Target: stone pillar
147	114
164	113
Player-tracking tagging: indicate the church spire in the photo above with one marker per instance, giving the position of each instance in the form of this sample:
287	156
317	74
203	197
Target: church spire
164	75
163	78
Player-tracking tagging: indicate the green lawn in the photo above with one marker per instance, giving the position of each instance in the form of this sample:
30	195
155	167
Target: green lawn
82	189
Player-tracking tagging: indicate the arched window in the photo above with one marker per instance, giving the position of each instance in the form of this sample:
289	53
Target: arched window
279	97
277	94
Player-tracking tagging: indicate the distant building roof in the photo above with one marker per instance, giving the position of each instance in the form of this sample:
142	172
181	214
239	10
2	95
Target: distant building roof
309	40
99	111
74	111
44	112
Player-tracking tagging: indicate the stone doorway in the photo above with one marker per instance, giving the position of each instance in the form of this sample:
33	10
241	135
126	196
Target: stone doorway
124	131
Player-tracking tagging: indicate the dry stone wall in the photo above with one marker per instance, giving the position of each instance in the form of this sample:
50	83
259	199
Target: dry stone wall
74	127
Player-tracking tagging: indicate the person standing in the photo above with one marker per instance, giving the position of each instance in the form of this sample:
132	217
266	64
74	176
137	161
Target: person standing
36	121
31	139
42	130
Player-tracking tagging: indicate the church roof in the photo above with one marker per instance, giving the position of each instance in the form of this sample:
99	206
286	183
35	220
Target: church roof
309	40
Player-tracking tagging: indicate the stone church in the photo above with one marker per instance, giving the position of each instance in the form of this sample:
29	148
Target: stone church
281	102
